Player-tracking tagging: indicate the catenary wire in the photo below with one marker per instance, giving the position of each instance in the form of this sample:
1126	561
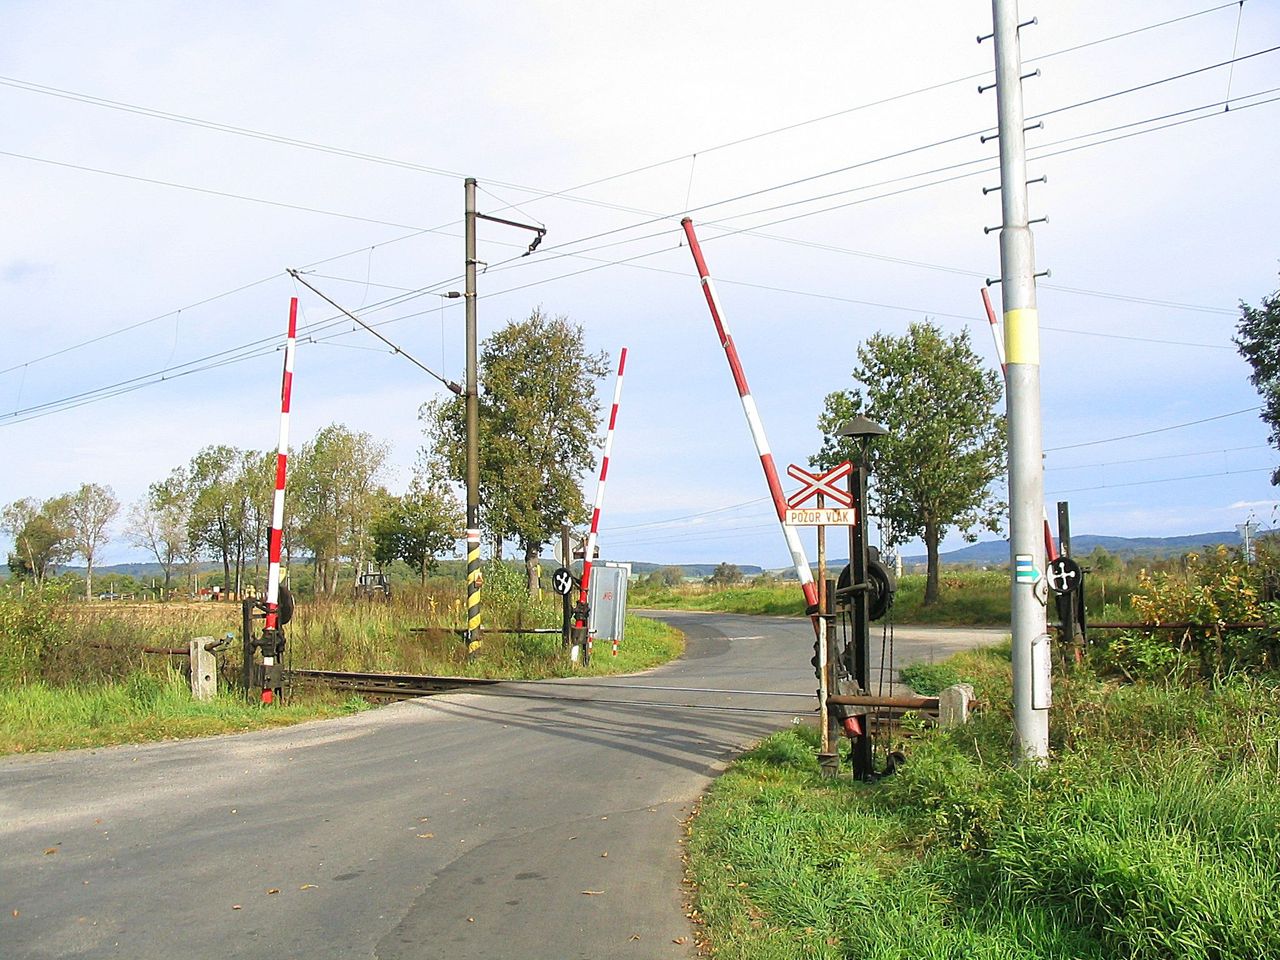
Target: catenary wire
1148	433
418	231
30	413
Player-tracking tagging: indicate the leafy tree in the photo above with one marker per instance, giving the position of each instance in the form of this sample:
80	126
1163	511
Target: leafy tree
945	446
159	522
90	511
1258	339
725	575
665	577
335	489
212	526
417	527
41	536
538	417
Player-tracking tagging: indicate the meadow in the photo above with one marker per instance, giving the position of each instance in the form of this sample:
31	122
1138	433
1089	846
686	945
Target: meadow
967	597
75	673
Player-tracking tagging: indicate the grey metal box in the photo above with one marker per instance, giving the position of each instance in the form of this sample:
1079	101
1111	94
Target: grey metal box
607	595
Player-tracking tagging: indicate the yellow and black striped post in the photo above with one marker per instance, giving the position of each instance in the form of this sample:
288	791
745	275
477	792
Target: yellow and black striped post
473	591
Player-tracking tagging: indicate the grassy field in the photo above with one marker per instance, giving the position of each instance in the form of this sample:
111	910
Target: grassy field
966	598
1153	833
75	674
145	707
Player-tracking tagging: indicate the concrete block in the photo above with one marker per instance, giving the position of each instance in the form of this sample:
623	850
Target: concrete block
204	670
953	705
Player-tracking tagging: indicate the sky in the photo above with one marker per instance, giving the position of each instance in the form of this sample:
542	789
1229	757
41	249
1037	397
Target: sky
829	153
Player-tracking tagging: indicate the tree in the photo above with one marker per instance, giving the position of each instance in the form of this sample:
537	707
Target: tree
417	527
666	576
945	446
159	522
335	492
538	418
212	523
41	536
89	512
725	575
1258	339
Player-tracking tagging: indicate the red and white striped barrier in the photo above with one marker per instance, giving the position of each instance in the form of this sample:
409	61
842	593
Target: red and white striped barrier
595	512
277	506
753	421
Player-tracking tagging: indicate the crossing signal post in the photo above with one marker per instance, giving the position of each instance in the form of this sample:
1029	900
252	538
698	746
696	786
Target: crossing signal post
858	650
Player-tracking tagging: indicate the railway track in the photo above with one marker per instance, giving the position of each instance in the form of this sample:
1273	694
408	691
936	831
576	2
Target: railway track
404	686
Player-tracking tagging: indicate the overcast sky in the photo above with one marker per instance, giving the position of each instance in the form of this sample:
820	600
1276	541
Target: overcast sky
661	108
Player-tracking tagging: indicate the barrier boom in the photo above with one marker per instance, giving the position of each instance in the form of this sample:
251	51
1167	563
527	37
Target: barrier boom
753	421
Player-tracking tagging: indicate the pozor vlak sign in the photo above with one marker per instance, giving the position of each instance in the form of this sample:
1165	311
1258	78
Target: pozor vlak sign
825	484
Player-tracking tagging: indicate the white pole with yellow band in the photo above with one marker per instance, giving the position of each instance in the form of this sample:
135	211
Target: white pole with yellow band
1031	691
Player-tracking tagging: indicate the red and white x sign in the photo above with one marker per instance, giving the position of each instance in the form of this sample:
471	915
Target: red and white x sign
820	483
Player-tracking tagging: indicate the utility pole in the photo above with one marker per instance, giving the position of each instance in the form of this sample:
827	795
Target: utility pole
473	406
1031	661
473	430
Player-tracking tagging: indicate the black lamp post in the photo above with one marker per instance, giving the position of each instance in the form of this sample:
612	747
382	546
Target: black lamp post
862	432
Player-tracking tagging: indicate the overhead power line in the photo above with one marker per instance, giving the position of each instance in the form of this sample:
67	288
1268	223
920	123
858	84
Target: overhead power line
755	231
565	193
1146	483
1168	456
395	348
1148	433
79	399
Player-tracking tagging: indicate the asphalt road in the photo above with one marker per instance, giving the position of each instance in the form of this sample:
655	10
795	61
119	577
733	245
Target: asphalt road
461	826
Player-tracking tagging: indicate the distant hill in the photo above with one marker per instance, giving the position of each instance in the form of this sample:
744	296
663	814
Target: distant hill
996	552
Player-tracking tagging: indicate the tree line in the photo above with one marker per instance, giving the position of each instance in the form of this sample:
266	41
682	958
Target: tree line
539	416
217	507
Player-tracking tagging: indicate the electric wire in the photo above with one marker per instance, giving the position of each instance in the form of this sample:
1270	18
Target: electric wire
1145	483
1167	456
224	194
25	414
103	102
418	231
1148	433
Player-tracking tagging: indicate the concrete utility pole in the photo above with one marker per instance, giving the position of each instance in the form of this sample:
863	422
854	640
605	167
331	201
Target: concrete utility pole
473	429
1031	691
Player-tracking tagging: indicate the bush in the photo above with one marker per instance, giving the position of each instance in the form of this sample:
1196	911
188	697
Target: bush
1212	590
31	630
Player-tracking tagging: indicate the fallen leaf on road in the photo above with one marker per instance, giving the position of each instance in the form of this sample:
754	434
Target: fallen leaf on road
236	906
15	913
634	937
51	850
423	819
592	893
471	919
273	890
426	836
605	854
307	886
680	940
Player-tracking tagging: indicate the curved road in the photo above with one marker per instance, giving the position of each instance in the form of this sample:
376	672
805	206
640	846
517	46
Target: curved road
460	826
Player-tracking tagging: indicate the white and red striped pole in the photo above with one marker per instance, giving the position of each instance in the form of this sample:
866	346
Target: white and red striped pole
1050	548
753	421
272	623
995	332
599	503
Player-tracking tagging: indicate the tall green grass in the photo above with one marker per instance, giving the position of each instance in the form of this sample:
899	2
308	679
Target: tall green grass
142	707
1153	833
76	674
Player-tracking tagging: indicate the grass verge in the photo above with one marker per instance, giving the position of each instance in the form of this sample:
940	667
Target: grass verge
1153	833
37	716
152	701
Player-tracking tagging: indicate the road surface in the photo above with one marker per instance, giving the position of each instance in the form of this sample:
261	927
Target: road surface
461	826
